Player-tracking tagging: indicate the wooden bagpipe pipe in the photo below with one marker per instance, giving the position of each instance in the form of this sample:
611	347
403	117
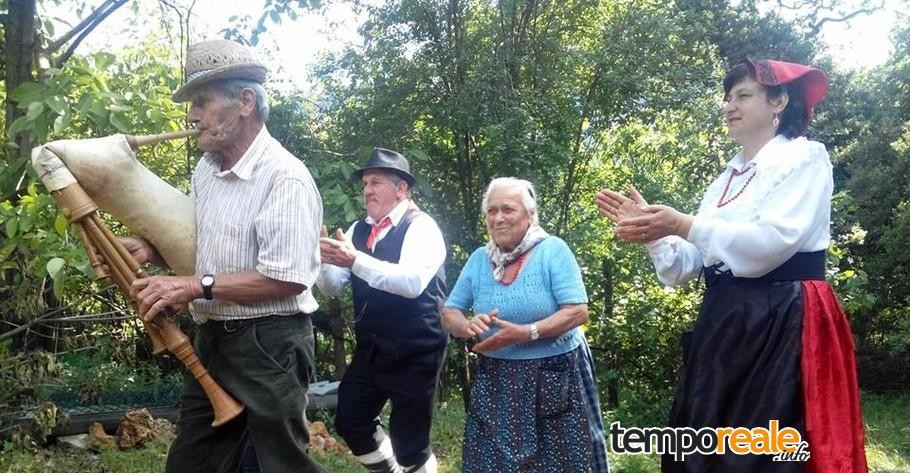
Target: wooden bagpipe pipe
85	175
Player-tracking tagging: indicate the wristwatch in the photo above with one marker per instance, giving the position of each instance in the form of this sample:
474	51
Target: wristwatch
534	333
207	282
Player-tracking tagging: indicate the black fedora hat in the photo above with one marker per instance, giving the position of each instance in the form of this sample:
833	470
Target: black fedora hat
389	160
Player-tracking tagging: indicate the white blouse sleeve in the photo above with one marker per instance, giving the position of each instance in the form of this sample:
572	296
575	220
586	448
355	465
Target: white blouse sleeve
675	260
791	213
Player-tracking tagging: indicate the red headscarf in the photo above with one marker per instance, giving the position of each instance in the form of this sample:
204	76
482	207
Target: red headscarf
812	81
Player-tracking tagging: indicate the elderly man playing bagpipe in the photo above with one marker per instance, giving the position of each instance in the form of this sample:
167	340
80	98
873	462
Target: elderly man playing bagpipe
258	214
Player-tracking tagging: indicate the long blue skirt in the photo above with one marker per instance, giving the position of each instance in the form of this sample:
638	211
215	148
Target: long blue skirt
535	416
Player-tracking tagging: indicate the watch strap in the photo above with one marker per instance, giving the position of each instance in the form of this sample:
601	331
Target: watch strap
207	288
535	334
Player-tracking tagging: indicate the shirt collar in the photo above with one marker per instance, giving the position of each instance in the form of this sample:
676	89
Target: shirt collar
766	153
251	157
396	214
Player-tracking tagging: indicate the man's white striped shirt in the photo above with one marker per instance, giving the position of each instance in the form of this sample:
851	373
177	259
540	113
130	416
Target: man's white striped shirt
263	214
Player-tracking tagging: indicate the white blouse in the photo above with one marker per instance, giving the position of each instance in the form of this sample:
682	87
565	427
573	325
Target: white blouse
755	215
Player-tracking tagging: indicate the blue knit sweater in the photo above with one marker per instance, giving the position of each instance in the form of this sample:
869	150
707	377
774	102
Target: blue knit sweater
550	278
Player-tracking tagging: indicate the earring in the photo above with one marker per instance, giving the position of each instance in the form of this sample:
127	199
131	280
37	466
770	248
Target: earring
776	121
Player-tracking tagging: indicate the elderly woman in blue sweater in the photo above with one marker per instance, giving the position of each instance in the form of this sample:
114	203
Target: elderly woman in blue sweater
534	404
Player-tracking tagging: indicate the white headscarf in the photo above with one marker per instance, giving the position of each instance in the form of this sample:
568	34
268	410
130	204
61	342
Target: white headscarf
501	259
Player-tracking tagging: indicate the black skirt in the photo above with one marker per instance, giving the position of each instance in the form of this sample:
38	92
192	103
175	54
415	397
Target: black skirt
741	369
779	348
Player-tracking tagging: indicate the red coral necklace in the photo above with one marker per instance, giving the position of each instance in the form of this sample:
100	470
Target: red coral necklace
513	268
734	173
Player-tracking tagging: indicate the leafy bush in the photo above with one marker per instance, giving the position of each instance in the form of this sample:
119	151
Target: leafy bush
94	378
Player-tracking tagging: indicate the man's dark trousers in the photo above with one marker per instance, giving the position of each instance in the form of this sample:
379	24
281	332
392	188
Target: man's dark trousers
266	364
408	382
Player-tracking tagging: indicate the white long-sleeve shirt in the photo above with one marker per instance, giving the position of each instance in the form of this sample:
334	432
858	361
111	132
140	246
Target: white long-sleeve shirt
423	251
784	209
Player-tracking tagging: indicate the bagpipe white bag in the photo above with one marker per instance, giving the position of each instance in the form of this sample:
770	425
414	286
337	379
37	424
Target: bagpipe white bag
110	173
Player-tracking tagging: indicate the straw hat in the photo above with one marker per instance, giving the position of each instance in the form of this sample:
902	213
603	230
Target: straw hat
218	59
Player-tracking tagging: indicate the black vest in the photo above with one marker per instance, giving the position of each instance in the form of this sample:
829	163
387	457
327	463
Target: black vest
396	325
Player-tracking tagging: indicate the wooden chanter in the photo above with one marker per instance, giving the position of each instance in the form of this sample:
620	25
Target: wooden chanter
110	259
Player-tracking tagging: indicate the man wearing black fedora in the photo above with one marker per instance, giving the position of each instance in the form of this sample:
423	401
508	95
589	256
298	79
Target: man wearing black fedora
393	259
258	215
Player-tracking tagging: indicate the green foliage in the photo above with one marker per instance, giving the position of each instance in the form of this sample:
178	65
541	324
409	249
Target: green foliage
36	254
107	375
742	31
294	122
849	281
486	90
573	95
97	95
866	122
105	94
45	387
875	164
273	11
634	463
21	377
43	266
22	374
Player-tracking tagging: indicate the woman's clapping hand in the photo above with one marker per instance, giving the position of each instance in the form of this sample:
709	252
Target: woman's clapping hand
638	222
508	333
482	323
618	207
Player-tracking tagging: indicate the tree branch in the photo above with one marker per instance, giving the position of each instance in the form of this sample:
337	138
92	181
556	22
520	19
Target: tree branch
47	315
819	8
818	24
59	42
97	17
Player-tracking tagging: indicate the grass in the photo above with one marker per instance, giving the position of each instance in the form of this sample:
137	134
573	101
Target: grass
448	425
887	420
887	432
147	459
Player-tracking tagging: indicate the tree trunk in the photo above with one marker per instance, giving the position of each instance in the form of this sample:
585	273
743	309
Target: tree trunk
612	362
20	51
336	326
464	372
42	336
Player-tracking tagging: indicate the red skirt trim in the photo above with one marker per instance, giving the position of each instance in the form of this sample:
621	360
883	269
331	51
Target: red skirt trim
834	424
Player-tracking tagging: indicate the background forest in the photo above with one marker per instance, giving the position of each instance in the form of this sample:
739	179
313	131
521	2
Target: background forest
574	95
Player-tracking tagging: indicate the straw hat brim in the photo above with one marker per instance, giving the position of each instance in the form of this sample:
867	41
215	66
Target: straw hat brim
246	71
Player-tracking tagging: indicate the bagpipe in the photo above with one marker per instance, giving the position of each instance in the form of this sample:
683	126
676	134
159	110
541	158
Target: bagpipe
86	175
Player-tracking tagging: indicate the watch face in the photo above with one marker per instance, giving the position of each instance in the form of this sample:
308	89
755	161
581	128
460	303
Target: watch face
208	280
